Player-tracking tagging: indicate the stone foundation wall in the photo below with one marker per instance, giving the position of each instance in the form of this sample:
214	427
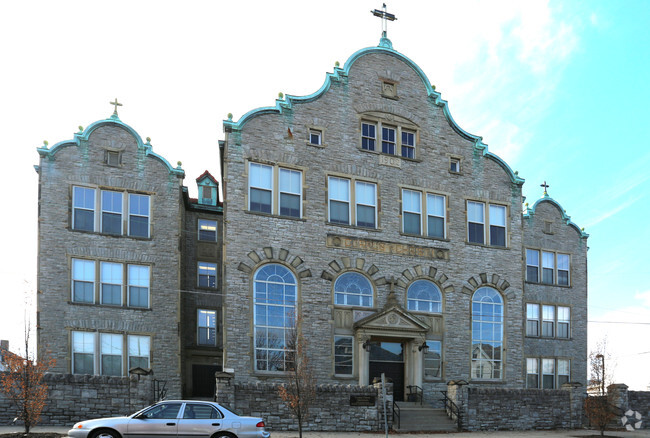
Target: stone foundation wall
639	401
73	398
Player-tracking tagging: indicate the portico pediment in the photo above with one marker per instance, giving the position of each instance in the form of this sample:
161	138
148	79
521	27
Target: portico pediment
393	319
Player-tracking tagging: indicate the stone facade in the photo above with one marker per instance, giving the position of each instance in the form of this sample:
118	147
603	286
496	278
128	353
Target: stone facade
381	87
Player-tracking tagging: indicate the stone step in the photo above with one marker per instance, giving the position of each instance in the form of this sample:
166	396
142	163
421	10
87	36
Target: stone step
423	418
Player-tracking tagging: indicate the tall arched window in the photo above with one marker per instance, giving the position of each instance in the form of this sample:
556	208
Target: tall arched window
487	334
275	311
424	296
353	289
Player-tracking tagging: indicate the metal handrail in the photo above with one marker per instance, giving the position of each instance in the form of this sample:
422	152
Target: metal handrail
419	393
396	413
452	409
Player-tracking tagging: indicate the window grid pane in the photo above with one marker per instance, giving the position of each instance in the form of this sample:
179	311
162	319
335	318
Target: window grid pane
138	286
111	286
260	181
139	351
83	216
475	222
408	144
207	274
433	359
339	200
83	281
343	356
368	136
487	334
366	200
207	230
388	140
353	289
290	192
138	215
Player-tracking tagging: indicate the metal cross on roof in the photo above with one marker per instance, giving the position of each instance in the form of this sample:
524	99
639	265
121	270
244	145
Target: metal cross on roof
546	186
385	17
115	104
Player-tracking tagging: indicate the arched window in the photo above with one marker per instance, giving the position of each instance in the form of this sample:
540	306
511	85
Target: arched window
424	296
275	311
487	334
353	289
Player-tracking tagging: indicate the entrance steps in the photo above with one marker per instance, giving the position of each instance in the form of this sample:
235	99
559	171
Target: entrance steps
415	417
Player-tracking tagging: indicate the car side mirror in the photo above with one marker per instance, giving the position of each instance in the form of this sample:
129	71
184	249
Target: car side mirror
140	417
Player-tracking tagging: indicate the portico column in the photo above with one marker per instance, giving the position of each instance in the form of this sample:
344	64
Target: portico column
418	364
363	363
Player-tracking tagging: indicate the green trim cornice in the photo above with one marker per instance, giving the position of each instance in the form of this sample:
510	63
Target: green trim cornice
530	212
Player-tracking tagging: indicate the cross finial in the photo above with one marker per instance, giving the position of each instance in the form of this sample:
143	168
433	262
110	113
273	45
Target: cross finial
385	17
546	186
115	104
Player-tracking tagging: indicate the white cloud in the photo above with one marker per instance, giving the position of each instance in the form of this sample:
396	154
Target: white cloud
611	212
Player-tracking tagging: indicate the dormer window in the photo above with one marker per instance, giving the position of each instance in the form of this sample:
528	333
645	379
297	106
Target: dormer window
207	186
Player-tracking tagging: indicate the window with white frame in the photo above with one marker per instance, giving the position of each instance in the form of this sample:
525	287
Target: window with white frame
411	212
353	289
83	208
111	283
433	360
275	297
110	354
413	204
139	351
548	373
388	140
424	296
454	165
207	230
497	225
532	319
555	267
435	216
366	204
260	187
83	353
408	144
487	334
83	281
207	274
138	215
339	200
343	193
343	356
111	212
475	222
563	322
207	327
563	372
532	372
290	192
138	286
368	136
548	321
395	140
315	137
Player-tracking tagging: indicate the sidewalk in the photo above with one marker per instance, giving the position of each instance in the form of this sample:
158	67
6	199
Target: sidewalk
507	434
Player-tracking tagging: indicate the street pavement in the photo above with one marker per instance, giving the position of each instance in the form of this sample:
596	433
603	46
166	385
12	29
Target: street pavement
506	434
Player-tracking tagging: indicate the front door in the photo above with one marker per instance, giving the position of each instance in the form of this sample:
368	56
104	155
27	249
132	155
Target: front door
388	358
203	380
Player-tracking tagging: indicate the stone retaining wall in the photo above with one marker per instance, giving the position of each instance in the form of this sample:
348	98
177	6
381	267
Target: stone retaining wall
639	401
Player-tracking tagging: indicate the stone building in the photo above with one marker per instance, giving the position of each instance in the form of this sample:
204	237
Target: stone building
399	239
127	262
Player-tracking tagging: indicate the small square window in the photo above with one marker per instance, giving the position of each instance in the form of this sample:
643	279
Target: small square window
112	158
315	137
454	165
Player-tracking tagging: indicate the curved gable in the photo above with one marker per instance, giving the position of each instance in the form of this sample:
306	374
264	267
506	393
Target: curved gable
530	212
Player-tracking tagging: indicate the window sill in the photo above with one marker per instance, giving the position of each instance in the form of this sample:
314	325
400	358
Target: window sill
353	307
271	374
275	216
214	242
487	381
354	227
549	338
110	235
564	286
343	377
483	245
415	160
110	306
205	288
420	236
319	146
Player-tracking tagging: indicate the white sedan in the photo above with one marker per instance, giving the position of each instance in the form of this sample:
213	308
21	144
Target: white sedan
174	419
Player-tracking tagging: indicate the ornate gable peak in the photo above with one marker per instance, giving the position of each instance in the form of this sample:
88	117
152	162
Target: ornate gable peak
393	318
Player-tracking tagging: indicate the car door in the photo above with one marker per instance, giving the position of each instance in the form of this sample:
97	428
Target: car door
159	421
199	420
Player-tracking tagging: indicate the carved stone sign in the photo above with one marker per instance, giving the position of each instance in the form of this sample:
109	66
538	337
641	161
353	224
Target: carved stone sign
404	249
387	160
362	400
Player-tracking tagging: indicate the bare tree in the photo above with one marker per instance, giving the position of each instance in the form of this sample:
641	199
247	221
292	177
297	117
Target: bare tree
300	392
601	368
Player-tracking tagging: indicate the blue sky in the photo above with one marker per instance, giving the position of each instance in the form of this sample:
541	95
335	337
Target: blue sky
557	89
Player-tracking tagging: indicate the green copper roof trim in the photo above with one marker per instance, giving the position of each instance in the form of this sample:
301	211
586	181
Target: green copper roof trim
385	47
565	217
82	136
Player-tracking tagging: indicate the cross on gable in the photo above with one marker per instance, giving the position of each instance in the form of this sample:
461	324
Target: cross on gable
385	17
115	104
546	186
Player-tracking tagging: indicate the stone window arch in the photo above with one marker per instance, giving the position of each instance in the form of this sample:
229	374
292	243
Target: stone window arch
353	289
275	295
487	334
424	296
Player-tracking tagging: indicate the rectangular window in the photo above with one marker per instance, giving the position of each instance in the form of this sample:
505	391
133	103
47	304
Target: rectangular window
532	319
111	212
83	209
343	356
260	183
111	354
548	373
290	192
368	136
138	286
563	372
207	230
563	269
454	165
563	322
83	281
497	225
408	144
339	200
207	274
315	136
436	216
83	353
139	347
138	215
433	360
475	222
411	212
532	265
548	266
366	204
548	321
388	140
111	283
207	327
532	373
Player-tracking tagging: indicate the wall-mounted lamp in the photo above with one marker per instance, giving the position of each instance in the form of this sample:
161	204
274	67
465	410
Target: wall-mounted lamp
424	348
366	345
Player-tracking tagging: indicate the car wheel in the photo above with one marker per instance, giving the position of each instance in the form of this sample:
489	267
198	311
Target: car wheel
223	435
105	433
